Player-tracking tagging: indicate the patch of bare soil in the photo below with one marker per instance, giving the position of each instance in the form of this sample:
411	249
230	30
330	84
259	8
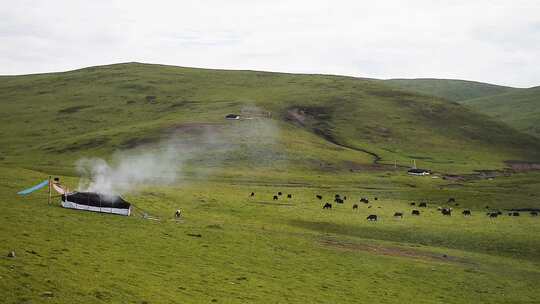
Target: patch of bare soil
522	166
186	128
392	251
513	167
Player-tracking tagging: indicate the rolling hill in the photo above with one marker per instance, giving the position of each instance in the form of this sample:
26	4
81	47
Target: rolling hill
318	122
298	135
519	109
451	89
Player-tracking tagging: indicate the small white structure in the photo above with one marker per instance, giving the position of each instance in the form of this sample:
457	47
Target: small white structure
232	117
419	172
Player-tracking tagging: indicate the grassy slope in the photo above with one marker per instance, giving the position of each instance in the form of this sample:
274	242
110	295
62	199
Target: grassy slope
96	111
519	109
252	249
451	89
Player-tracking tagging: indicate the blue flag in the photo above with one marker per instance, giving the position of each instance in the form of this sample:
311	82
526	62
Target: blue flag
36	187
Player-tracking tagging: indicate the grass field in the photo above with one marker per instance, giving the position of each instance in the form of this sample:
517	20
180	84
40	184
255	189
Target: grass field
519	108
326	135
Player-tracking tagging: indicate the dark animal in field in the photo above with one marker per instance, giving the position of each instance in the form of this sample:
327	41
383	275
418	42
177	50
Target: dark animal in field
364	200
338	200
499	212
456	204
336	196
279	193
487	207
344	198
447	211
372	217
451	200
252	194
327	206
424	204
398	214
413	204
466	212
415	212
178	213
493	214
355	206
369	206
534	213
515	213
318	196
375	198
275	197
289	195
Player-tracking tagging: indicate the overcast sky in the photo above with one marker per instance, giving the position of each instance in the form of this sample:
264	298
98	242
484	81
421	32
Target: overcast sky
482	40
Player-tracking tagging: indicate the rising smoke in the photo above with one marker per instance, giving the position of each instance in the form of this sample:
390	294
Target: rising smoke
210	147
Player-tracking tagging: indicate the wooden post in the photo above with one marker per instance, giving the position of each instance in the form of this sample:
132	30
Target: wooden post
49	190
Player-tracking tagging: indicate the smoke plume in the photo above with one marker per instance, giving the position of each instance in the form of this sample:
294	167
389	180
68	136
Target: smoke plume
204	145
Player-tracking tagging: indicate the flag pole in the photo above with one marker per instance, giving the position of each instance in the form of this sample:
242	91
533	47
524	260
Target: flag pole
49	190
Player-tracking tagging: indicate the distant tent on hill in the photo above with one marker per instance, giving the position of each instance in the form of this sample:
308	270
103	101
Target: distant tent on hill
232	116
417	171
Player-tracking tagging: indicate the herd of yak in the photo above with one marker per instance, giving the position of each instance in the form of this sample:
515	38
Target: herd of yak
447	211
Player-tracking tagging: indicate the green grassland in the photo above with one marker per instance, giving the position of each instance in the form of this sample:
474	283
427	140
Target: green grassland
519	109
308	135
450	89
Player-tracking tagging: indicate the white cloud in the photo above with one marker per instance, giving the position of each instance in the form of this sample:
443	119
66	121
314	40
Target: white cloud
484	40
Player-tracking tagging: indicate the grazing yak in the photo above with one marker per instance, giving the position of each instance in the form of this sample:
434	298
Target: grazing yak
413	204
451	200
327	206
364	200
279	193
318	196
447	211
371	217
345	198
178	213
466	212
275	197
289	195
375	198
252	194
534	213
423	204
355	207
493	214
338	200
415	212
398	214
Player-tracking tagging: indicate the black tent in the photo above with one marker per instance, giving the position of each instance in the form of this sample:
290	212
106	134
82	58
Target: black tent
97	202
